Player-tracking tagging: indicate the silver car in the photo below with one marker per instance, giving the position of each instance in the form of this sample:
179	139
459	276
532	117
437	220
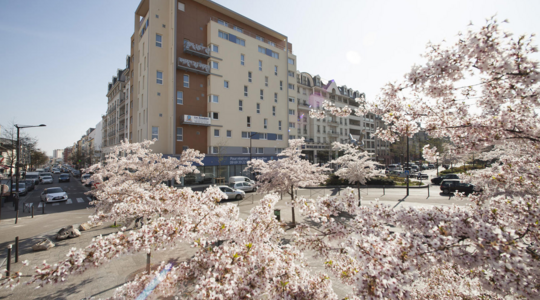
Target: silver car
243	186
232	194
46	179
53	194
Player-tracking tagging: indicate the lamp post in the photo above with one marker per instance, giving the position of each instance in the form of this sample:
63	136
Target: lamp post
17	173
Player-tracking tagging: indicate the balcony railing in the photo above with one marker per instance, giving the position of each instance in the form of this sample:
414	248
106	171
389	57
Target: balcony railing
333	133
111	133
197	50
193	66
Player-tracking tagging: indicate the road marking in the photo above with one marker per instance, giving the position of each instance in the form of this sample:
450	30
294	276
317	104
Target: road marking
40	204
89	199
55	204
68	201
80	200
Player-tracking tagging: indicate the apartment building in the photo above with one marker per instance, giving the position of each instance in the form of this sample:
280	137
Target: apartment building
207	78
311	92
115	124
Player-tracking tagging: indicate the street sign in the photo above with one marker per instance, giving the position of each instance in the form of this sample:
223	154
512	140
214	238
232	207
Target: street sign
407	172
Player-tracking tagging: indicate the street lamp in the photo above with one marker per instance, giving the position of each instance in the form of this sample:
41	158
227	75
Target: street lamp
17	173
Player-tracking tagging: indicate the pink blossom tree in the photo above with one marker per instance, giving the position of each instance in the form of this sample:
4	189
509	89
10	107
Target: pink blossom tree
493	244
354	165
288	173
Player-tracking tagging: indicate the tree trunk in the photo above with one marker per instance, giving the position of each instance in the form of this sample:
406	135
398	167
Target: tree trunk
359	197
292	208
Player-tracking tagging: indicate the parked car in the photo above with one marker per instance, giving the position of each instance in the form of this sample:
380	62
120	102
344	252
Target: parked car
22	188
232	194
30	184
243	186
64	177
438	180
454	185
421	176
85	179
75	173
43	174
431	166
53	194
46	179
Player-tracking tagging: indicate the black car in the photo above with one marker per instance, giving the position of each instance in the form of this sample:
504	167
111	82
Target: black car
452	186
438	180
64	178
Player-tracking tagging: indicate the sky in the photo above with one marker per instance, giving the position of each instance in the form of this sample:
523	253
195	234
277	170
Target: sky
57	57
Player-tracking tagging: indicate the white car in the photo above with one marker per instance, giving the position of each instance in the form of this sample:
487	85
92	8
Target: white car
56	171
46	179
53	194
243	186
232	194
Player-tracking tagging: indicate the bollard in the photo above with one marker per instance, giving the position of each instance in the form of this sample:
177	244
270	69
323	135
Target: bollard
32	211
251	198
428	190
16	249
384	190
148	263
8	261
339	191
44	207
16	216
277	213
309	193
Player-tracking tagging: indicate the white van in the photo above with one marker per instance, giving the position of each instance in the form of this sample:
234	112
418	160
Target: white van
234	179
34	176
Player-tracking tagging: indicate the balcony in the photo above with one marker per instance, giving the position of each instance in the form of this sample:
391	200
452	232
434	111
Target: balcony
332	122
333	133
111	133
121	129
193	66
197	50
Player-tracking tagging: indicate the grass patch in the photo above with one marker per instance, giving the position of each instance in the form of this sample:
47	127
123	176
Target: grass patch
115	226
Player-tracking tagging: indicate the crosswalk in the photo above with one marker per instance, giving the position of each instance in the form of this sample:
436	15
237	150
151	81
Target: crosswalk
69	201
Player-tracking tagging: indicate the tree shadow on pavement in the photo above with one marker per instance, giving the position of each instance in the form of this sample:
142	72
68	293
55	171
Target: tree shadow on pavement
399	202
67	292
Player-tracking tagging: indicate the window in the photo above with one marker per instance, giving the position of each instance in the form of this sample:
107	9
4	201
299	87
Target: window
229	133
293	137
213	98
281	85
271	43
324	129
268	52
260	38
275	70
158	40
265	126
215	65
275	97
291	125
318	128
280	137
214	150
273	110
186	81
266	80
258	108
245	150
226	84
216	132
215	48
179	134
318	139
291	86
180	97
259	150
213	115
262	50
220	21
262	94
291	99
245	90
260	65
290	73
240	105
231	38
279	125
155	132
249	76
291	61
245	135
248	122
238	29
292	112
159	77
181	6
242	59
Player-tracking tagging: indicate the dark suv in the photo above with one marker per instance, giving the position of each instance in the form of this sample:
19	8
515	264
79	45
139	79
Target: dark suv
438	180
63	177
452	186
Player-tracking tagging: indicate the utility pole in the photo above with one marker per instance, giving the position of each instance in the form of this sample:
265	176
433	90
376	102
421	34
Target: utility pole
408	163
